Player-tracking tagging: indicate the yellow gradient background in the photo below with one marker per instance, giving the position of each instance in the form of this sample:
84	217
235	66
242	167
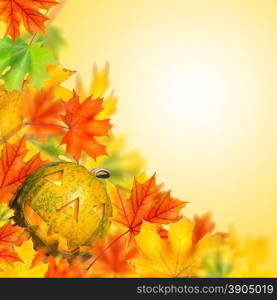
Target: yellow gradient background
197	82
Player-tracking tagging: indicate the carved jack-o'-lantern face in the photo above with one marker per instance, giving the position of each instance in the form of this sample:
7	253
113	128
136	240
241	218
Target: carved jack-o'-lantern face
63	204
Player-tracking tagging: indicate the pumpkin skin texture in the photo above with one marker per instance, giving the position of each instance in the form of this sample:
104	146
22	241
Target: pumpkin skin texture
64	206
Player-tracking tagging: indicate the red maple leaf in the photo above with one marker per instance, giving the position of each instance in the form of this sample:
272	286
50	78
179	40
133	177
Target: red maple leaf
15	12
164	210
63	269
203	225
13	170
147	203
8	256
83	127
42	113
12	235
130	211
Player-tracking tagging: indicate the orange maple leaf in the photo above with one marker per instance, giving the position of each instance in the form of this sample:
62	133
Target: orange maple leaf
164	210
42	113
40	257
83	127
147	203
130	211
203	225
8	256
13	170
14	12
12	235
111	257
63	269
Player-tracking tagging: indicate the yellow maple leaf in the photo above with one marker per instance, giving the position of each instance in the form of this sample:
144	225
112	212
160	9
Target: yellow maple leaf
23	269
100	81
109	107
99	89
172	257
239	257
248	256
58	75
10	119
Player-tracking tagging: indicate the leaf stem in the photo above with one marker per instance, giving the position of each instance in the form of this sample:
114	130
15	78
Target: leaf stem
105	249
32	39
45	124
14	131
35	34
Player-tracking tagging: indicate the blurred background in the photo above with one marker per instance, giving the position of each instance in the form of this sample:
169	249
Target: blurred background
196	82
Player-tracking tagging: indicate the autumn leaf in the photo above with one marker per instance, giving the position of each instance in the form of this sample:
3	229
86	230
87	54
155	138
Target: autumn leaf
8	256
172	257
19	59
15	12
53	40
203	225
42	113
61	268
130	211
10	118
49	149
83	127
40	257
248	255
57	76
164	210
163	233
13	170
239	257
22	268
147	203
100	81
112	257
11	235
98	88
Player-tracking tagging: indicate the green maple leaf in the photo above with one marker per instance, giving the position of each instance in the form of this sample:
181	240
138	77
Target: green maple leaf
19	59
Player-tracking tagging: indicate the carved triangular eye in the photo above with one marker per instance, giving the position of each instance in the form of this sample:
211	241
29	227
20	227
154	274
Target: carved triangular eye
101	173
55	178
71	209
32	217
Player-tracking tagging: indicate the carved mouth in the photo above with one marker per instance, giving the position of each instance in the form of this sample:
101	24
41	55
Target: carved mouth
43	231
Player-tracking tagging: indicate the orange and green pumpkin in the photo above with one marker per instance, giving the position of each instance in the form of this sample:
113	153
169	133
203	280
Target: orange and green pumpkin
63	206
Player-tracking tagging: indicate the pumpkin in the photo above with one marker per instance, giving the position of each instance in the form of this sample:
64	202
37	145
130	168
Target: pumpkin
63	206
